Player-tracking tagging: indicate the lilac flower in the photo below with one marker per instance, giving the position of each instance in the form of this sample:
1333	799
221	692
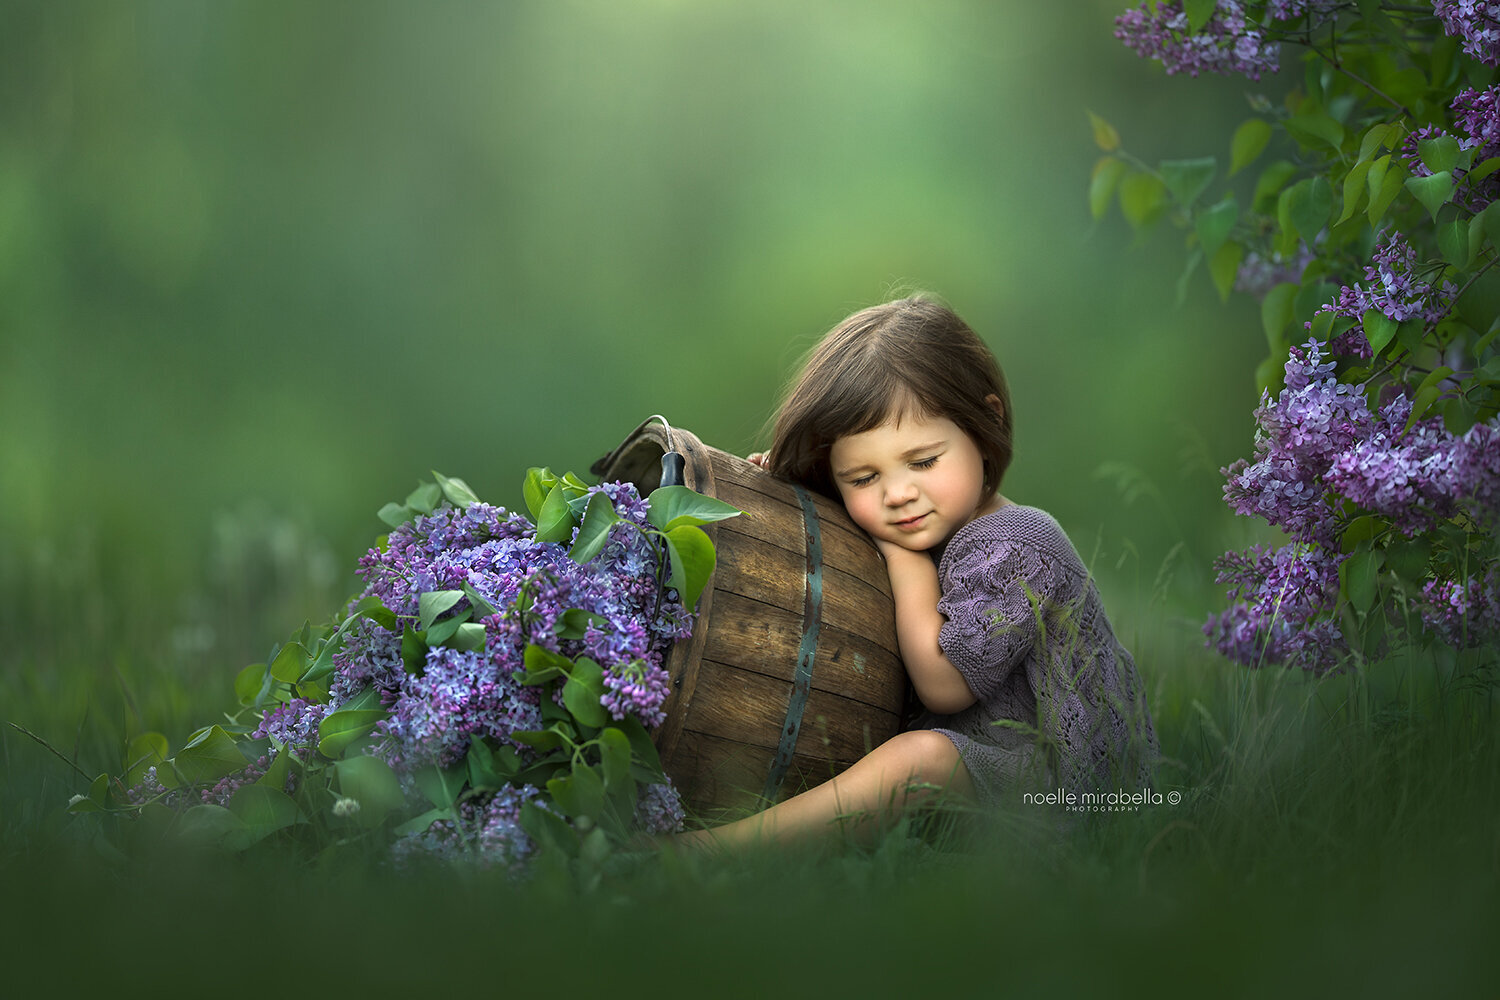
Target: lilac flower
1394	287
1313	419
1476	22
658	809
1476	115
486	832
1463	614
459	696
1257	275
1280	602
294	723
1226	44
639	689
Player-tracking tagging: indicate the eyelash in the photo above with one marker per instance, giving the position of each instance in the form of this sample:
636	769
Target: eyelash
924	464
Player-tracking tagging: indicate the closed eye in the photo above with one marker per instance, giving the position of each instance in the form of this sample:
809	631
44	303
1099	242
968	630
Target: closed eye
863	480
925	463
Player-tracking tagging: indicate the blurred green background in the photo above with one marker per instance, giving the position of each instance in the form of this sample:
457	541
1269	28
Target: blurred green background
263	265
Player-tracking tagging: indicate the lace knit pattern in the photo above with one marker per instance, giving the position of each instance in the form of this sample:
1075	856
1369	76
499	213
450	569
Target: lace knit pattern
1059	699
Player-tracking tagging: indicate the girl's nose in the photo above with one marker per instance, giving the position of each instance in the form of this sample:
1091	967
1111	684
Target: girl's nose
900	492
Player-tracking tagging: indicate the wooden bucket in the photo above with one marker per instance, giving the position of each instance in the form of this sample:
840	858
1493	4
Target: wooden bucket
792	672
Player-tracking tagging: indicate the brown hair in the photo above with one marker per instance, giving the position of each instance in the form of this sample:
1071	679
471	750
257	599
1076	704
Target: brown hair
911	355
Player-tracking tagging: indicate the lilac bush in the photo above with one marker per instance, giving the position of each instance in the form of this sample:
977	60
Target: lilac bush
1371	241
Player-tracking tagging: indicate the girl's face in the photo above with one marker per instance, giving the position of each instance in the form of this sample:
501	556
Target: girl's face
912	481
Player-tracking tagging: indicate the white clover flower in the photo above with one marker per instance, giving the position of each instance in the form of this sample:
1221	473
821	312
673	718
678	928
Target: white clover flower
345	806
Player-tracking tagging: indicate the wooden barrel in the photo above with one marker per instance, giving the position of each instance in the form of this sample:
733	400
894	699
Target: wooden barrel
792	672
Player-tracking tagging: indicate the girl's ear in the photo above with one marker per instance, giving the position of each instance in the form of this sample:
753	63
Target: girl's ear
993	402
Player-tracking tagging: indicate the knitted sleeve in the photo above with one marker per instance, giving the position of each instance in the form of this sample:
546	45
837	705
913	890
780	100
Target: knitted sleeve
995	586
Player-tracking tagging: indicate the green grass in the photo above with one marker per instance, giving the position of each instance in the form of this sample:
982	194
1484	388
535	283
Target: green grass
1336	834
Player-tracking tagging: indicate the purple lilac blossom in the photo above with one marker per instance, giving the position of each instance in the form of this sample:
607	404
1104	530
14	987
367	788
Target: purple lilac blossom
658	809
1463	614
1280	602
1313	419
457	697
293	723
1257	275
487	832
1478	123
1226	44
1476	23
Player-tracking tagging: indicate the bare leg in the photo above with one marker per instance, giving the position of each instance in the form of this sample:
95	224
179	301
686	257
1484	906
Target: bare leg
905	770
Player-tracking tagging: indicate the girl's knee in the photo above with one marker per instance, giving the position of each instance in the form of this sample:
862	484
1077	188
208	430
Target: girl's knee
928	755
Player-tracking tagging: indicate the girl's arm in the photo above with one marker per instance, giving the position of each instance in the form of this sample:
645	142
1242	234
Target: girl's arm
914	583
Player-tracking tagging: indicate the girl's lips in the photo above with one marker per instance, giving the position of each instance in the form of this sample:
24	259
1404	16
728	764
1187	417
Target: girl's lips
911	522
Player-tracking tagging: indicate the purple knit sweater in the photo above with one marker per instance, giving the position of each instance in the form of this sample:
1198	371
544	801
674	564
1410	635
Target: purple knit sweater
1059	700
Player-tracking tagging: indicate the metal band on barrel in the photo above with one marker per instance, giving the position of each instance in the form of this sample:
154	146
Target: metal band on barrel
807	651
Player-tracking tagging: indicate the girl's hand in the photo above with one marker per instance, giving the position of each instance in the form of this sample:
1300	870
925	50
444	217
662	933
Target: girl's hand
758	459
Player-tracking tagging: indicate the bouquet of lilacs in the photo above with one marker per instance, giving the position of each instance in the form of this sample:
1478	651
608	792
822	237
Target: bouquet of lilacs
1371	242
487	696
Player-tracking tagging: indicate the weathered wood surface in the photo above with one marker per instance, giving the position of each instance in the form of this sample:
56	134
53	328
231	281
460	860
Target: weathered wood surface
732	680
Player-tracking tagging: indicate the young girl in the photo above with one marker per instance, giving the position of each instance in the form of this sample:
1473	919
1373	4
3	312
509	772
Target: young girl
902	412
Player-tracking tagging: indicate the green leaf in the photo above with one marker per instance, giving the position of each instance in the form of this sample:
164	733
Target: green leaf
534	489
1360	573
441	786
1105	136
582	690
395	514
1379	329
1143	199
1433	191
1379	136
1268	187
549	829
441	632
338	730
469	638
593	534
1408	560
1317	129
323	663
543	665
1453	243
642	746
1385	179
580	793
434	603
370	782
289	663
424	499
1224	267
209	755
1198	12
554	523
1276	311
248	682
1361	529
210	826
574	623
1103	183
1187	179
1303	208
143	751
692	558
1440	154
1249	142
263	810
674	506
1355	185
614	755
1215	223
456	490
482	607
538	739
413	650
